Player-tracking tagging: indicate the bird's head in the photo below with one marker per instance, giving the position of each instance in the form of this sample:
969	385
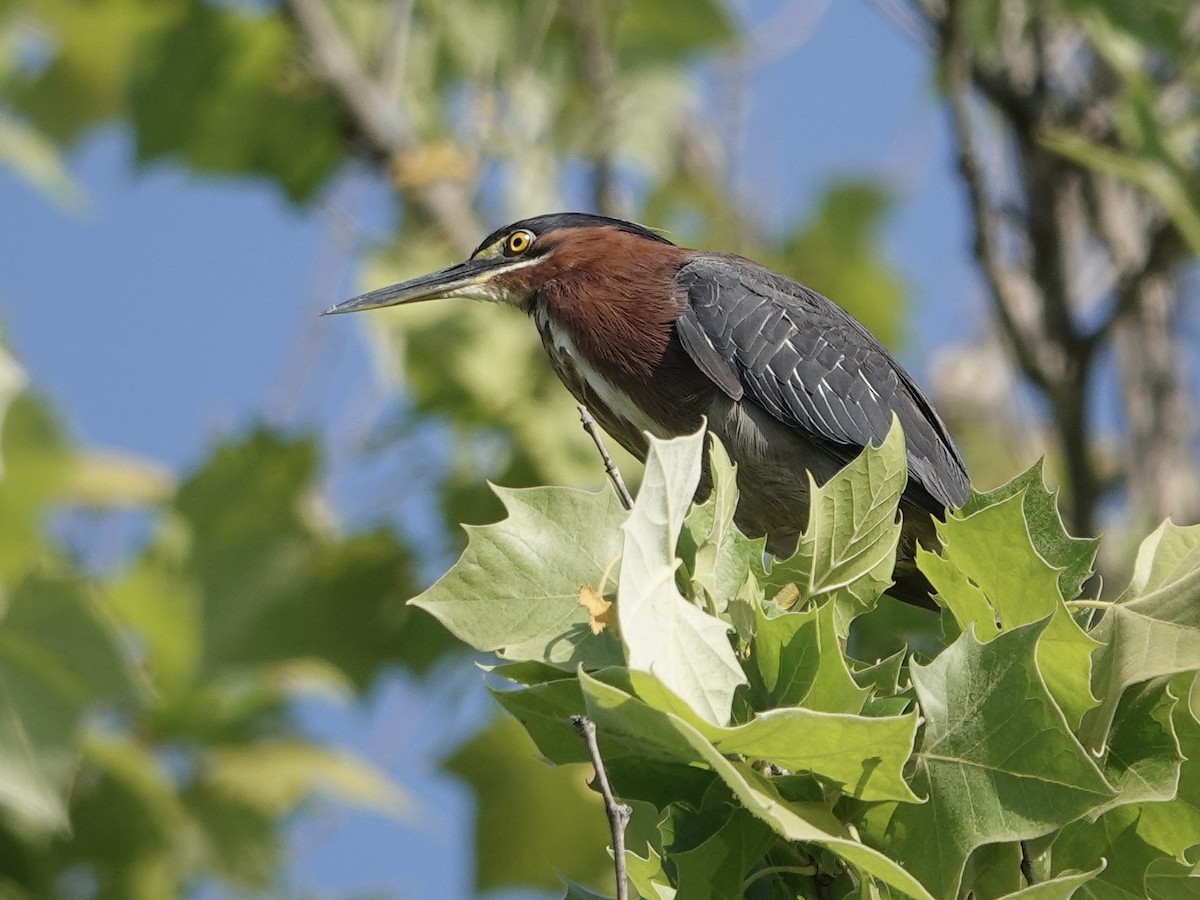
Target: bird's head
515	262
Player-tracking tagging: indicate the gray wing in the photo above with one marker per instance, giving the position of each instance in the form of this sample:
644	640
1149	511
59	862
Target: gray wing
763	337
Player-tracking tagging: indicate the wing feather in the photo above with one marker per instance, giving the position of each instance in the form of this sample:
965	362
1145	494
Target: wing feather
813	367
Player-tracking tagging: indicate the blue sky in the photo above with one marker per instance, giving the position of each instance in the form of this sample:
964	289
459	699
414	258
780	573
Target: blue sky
174	309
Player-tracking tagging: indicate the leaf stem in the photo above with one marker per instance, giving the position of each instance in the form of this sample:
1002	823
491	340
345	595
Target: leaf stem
1091	604
614	474
618	813
775	870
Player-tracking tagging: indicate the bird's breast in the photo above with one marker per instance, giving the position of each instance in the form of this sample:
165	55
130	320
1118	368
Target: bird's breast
612	406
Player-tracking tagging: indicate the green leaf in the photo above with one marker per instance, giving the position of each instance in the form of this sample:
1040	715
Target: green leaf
516	587
837	251
800	660
864	755
684	647
997	755
59	659
33	157
37	463
723	556
275	776
713	868
531	820
1072	556
1173	826
992	547
1061	887
579	892
1154	627
1143	760
545	711
849	546
226	91
628	721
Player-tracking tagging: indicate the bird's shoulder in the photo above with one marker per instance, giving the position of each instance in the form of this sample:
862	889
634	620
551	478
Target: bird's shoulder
810	364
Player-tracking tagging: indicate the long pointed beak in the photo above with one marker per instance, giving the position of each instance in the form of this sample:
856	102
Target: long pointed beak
446	283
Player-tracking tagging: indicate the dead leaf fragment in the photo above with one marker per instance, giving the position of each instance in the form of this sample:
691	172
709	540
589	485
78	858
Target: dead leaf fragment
600	613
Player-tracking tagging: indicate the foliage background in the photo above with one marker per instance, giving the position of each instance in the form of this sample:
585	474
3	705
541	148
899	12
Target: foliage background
163	271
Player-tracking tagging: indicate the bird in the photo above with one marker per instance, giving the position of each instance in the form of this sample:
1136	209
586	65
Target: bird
656	338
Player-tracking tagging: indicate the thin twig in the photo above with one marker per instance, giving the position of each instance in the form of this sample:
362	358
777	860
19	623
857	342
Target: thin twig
1027	865
614	474
618	813
956	71
381	119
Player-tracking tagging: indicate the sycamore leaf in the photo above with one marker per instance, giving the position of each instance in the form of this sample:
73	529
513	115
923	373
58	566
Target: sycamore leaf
1174	826
515	588
530	820
627	721
723	557
712	869
13	380
998	758
275	776
1061	887
1154	627
59	658
683	646
800	660
849	546
1143	760
1072	556
993	549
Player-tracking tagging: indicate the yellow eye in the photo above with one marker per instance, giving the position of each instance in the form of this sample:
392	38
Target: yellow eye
518	242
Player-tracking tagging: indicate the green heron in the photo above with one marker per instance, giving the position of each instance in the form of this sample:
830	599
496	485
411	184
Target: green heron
651	337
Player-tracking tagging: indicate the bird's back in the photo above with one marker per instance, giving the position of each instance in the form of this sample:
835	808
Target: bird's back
769	341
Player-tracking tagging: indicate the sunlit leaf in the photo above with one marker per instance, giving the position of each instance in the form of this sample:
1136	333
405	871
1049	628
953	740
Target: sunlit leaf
687	649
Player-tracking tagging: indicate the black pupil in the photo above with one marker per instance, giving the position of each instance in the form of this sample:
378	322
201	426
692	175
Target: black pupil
517	243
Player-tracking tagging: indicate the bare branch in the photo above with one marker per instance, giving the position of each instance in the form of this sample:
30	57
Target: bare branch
599	69
614	474
618	813
381	120
957	74
394	57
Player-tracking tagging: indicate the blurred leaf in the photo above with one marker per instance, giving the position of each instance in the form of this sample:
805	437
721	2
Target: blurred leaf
224	90
240	839
275	776
34	158
12	382
670	29
107	479
1178	196
531	821
836	251
95	45
58	659
685	648
36	465
155	845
